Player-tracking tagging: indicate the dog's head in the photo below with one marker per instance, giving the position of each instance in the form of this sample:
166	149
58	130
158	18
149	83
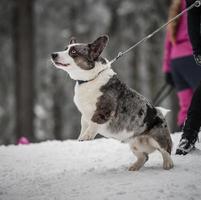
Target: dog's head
80	60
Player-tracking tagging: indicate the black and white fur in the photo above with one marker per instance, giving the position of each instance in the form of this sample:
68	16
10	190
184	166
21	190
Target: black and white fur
109	107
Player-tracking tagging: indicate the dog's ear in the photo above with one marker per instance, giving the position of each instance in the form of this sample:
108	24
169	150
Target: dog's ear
96	47
73	40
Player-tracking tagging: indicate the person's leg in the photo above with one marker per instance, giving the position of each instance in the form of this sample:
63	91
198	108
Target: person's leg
184	97
193	121
190	71
184	91
190	76
194	27
192	124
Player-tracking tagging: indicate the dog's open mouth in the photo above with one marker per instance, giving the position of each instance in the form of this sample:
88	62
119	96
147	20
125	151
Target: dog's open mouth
62	64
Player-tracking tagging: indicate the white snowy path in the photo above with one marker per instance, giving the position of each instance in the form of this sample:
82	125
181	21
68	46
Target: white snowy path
94	170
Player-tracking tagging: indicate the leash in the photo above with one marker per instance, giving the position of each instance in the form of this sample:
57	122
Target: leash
159	93
121	53
162	94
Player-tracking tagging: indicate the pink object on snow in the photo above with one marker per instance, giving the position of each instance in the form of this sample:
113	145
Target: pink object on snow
23	140
182	47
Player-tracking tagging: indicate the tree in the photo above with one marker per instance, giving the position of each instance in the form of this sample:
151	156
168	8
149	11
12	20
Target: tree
24	62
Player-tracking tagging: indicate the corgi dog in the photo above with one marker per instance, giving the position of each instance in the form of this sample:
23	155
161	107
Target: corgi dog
109	107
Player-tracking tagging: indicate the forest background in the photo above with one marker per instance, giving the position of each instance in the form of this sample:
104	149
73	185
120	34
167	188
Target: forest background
36	99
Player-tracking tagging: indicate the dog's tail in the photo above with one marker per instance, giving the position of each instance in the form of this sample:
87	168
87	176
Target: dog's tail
164	111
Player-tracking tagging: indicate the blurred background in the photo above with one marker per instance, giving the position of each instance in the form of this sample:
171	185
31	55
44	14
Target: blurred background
36	99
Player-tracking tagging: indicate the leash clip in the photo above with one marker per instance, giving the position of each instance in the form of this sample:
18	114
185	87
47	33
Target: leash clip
198	3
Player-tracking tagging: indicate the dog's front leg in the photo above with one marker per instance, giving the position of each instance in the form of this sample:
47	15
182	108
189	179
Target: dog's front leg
84	125
90	133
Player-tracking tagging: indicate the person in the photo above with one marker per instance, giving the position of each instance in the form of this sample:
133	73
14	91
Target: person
193	121
179	65
194	17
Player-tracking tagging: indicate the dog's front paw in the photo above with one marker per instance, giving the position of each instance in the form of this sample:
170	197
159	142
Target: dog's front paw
85	137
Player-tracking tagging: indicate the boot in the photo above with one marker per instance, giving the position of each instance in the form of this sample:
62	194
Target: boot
187	142
192	125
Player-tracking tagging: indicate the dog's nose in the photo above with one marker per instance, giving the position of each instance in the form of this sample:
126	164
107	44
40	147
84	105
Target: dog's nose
54	55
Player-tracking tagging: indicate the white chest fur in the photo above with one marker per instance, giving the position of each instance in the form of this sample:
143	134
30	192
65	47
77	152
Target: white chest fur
87	94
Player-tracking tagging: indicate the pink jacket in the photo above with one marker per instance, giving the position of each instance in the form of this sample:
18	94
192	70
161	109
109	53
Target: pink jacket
182	47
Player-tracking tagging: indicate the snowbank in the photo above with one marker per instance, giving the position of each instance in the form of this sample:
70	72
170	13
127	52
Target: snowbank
94	170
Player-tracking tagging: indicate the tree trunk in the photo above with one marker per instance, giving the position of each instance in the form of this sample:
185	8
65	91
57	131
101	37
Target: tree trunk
24	61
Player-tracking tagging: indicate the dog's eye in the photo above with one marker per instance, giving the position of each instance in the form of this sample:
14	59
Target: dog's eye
73	51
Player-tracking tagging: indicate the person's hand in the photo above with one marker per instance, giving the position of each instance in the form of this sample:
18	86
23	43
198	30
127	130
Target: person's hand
169	80
198	59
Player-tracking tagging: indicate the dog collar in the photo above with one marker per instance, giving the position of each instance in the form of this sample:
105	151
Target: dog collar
80	82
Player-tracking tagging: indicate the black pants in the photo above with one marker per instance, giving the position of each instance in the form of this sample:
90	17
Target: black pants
185	72
194	19
193	120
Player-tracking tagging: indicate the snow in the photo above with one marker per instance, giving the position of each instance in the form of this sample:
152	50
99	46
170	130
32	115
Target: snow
94	170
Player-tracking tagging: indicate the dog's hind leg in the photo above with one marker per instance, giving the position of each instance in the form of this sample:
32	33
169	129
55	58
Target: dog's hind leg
141	159
141	148
144	145
167	161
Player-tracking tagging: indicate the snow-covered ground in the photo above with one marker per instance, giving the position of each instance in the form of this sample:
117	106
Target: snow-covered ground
94	170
